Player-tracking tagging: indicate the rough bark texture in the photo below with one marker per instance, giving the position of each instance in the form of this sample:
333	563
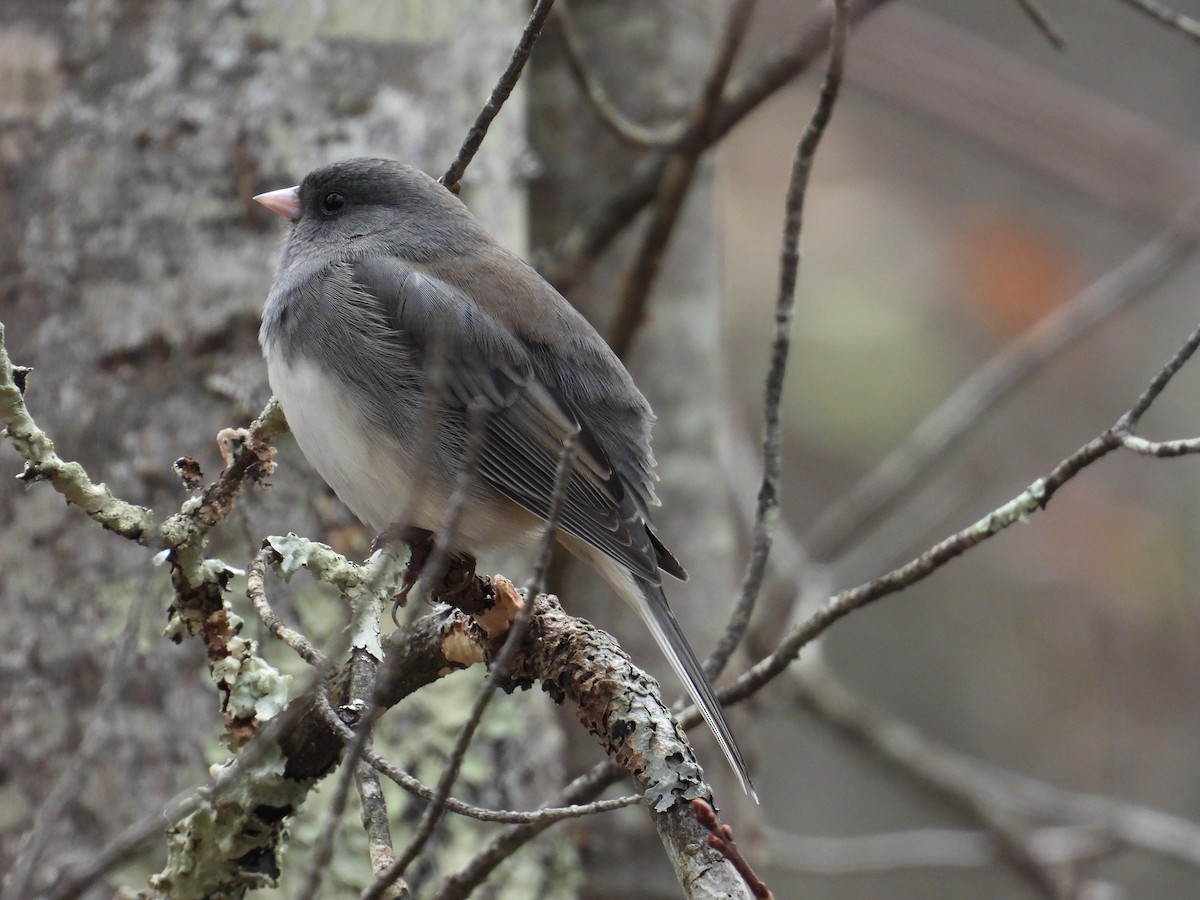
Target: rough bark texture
133	266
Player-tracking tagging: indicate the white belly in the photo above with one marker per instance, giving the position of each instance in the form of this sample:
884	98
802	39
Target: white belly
370	474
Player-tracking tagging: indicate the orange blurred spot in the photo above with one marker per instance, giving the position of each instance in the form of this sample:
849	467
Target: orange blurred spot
1011	270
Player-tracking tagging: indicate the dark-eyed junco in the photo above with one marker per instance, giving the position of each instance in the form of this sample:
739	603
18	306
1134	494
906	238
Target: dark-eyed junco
394	312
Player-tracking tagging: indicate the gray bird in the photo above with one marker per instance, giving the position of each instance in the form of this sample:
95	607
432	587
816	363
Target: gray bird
393	311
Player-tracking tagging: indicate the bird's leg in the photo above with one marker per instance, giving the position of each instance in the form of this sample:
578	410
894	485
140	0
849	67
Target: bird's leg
455	585
420	545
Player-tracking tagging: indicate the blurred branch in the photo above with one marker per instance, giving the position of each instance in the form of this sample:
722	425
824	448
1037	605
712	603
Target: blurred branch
377	828
893	478
925	848
766	515
589	83
1043	23
580	249
1033	499
672	188
987	793
504	87
1184	24
981	90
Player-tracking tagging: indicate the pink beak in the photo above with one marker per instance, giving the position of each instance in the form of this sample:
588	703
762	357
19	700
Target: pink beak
285	202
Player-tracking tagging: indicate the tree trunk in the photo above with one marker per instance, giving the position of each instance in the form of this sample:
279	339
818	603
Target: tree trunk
133	267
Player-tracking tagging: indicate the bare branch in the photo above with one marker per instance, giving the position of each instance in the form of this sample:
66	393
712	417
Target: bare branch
893	477
635	133
375	824
1184	24
1031	500
672	189
766	515
504	87
1043	23
588	240
362	710
1160	449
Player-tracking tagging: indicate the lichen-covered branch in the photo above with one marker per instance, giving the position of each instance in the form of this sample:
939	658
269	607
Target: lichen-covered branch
42	463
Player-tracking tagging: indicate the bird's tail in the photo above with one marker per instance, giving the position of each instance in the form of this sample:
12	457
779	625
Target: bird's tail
651	604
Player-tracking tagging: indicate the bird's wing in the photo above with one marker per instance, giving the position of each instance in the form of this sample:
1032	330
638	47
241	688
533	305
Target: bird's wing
478	361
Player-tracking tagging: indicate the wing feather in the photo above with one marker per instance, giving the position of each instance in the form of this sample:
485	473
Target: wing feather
480	362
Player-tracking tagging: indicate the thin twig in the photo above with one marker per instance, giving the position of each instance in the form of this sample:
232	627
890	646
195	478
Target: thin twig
363	702
1160	449
257	594
1043	23
375	824
766	515
545	816
322	853
1031	500
500	92
497	674
889	482
1129	421
587	786
672	189
361	705
589	83
720	838
1163	13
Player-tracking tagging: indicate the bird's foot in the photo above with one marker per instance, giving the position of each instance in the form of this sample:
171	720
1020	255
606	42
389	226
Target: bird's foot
420	546
457	577
462	588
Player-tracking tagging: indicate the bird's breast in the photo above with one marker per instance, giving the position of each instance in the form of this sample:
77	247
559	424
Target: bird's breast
377	474
368	475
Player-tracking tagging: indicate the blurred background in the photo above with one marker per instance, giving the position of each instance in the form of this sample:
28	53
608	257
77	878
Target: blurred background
974	179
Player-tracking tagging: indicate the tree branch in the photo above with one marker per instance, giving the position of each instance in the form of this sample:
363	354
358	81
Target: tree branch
766	516
508	80
893	477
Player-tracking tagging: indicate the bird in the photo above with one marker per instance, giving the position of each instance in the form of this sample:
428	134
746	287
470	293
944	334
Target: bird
393	312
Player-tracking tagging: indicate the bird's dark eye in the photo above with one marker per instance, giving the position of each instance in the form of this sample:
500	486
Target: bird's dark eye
332	202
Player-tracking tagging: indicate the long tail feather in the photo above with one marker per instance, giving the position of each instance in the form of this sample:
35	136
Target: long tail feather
654	610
